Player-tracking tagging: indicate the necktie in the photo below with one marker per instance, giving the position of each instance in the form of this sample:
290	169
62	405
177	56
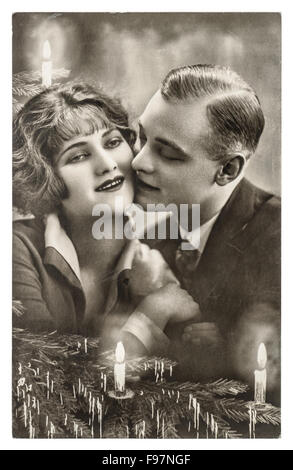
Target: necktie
186	262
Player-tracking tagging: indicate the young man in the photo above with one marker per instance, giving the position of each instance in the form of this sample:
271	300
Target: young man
198	134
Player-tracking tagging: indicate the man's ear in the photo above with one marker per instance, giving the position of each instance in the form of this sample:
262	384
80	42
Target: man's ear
230	170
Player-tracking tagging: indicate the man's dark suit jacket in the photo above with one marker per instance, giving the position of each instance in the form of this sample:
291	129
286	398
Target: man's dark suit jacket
237	280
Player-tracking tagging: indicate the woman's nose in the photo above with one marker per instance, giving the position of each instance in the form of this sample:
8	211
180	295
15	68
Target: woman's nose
103	163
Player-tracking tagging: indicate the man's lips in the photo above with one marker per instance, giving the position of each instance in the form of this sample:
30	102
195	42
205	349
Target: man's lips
145	186
111	184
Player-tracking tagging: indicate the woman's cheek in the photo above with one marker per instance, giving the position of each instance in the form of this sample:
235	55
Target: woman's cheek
125	158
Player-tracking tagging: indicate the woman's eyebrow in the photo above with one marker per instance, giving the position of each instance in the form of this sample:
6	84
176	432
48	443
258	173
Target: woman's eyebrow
109	130
77	144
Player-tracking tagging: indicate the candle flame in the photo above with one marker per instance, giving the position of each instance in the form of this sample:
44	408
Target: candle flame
120	352
262	356
46	50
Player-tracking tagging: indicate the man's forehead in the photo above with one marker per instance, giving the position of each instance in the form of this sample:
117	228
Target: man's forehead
182	118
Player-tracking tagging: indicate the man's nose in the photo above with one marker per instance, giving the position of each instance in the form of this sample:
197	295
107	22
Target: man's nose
143	161
103	163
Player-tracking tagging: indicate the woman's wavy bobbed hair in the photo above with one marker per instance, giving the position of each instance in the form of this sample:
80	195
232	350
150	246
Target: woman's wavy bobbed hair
40	129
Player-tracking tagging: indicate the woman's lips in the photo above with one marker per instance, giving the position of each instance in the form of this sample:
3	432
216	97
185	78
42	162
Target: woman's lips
111	185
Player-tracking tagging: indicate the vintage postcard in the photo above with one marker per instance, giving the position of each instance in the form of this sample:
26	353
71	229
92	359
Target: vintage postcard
146	225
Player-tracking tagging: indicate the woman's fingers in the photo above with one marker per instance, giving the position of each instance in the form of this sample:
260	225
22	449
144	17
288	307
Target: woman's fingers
202	326
211	336
202	334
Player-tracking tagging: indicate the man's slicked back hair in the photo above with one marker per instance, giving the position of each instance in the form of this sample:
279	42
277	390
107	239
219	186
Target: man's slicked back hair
233	108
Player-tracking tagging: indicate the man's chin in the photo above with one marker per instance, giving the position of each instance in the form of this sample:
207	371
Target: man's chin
144	201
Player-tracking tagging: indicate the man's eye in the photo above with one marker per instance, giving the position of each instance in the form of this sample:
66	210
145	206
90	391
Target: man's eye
78	158
113	143
168	156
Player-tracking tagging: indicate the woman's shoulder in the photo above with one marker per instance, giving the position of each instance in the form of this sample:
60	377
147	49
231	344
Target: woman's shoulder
29	232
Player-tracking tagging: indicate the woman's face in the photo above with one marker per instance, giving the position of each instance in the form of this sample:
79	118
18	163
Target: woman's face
95	169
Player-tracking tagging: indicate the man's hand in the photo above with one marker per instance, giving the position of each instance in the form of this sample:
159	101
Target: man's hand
203	334
169	304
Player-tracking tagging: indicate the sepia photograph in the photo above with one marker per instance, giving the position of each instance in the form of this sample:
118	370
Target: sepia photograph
146	259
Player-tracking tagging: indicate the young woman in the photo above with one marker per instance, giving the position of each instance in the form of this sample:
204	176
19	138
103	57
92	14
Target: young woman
72	150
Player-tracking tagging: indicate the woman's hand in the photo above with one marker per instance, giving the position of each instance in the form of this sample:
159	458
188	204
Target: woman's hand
203	334
169	304
149	271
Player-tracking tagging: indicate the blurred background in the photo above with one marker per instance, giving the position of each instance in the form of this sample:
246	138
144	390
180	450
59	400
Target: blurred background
130	53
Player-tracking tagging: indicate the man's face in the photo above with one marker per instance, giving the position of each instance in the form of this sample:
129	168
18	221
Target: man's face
173	165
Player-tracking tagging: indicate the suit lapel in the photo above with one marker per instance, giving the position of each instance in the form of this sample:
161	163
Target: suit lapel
227	240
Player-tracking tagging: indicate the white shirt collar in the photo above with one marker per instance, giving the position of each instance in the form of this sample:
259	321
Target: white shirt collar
56	237
199	236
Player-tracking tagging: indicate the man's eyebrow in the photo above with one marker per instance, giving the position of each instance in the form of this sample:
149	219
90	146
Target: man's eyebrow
168	143
173	145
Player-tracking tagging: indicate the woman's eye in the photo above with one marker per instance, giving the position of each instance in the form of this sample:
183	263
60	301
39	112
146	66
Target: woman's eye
113	143
78	158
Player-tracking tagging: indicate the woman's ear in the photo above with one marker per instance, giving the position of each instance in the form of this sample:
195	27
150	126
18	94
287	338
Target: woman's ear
230	170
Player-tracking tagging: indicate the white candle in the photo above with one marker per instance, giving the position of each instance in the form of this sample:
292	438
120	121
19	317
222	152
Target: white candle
162	370
85	345
158	422
194	404
208	423
190	401
25	415
100	416
250	421
260	376
212	423
119	370
46	65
